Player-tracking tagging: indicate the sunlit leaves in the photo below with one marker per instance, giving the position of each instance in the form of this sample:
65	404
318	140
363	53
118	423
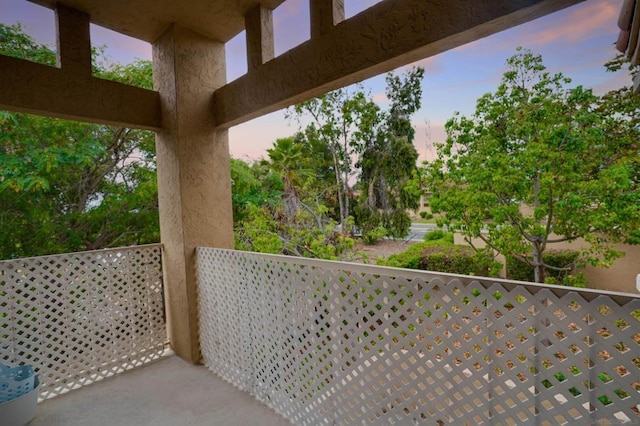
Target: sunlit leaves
68	186
540	162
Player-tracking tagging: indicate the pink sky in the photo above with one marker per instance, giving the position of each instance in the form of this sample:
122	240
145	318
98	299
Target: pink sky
576	41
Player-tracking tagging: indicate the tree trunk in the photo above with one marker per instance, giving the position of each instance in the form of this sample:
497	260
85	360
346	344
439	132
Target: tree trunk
346	180
346	204
538	264
371	196
339	189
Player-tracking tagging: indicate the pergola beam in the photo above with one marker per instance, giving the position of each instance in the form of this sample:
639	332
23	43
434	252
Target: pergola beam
70	91
324	15
385	36
259	32
39	89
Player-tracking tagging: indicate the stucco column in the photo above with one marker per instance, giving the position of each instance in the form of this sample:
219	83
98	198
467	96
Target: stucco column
194	180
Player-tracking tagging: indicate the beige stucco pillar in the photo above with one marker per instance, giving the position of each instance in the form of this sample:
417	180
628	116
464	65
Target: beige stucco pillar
194	183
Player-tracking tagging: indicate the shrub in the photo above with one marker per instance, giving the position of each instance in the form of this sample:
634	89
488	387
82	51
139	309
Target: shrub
369	222
374	235
439	235
397	224
444	257
436	234
517	270
423	214
428	216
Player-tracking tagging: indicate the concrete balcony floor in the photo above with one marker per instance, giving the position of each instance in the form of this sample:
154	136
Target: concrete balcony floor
167	392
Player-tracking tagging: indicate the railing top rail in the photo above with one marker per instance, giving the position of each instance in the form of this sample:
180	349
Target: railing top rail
486	282
106	250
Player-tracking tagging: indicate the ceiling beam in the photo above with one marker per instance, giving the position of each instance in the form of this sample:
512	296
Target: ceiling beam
385	36
40	89
70	91
259	36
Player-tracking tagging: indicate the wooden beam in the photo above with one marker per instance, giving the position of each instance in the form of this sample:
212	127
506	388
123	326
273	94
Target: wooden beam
385	36
39	89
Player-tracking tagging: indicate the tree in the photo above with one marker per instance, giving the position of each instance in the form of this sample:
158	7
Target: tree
339	120
389	177
253	185
278	211
286	158
541	163
370	144
68	186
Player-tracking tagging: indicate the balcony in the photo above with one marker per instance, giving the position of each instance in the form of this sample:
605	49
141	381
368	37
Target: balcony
318	342
166	392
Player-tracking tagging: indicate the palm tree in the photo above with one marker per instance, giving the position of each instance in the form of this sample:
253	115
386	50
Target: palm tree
287	158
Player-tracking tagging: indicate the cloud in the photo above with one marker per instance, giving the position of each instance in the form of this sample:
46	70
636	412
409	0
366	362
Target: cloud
582	23
120	48
291	25
432	65
250	140
292	8
380	98
614	82
427	134
574	25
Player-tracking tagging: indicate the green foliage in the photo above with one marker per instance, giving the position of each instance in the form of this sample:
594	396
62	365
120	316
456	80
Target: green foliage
277	208
397	223
439	234
354	137
426	215
541	163
13	42
441	256
334	126
372	236
253	185
390	181
560	269
316	166
261	231
370	223
436	234
68	186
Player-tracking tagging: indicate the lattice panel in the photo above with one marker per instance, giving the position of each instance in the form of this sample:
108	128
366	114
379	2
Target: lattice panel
334	343
78	318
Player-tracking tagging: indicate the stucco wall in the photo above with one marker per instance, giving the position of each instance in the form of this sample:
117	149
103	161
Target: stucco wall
619	277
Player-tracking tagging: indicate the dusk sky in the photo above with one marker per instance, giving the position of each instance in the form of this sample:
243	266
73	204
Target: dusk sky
576	41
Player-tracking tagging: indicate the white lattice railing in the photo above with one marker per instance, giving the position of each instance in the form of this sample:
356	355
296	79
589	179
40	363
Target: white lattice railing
81	317
337	343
